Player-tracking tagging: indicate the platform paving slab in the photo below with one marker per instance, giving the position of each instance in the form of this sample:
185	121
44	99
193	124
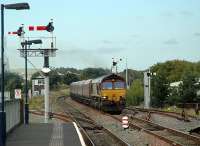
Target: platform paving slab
42	134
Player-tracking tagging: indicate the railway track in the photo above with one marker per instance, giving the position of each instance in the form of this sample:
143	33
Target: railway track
175	115
100	135
170	136
59	116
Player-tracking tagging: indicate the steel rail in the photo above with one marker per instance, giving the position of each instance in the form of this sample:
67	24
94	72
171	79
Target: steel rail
89	120
192	137
161	128
170	130
132	125
167	113
122	142
171	142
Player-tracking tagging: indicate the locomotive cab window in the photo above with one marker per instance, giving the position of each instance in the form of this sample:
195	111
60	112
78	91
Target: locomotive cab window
107	85
119	85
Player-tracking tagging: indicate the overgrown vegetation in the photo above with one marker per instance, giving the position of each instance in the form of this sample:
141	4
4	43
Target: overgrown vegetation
132	75
37	102
189	87
160	89
135	93
175	69
187	73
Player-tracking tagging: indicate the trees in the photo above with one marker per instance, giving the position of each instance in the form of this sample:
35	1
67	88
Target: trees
174	96
135	93
175	69
188	88
132	75
69	78
160	89
54	79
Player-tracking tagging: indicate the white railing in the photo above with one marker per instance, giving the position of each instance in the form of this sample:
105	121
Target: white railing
12	108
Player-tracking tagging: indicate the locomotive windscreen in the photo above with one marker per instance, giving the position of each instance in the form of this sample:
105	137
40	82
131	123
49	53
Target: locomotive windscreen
107	85
113	85
119	85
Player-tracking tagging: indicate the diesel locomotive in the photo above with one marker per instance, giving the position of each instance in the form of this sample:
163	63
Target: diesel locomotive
106	93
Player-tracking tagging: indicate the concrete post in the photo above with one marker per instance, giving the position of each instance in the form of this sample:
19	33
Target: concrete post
46	90
149	89
46	98
146	90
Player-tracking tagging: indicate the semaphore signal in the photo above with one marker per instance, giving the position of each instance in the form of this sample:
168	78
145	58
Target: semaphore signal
20	32
49	27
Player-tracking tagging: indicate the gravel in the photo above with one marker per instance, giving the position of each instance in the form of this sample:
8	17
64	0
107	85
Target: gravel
167	121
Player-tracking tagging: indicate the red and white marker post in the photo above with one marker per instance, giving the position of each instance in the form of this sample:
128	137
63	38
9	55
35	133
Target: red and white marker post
125	123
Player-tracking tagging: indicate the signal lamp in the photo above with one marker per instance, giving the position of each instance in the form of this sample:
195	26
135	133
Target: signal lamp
114	63
46	70
20	31
50	27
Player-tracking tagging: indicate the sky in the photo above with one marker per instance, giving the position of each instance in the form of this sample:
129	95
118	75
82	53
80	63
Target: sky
89	33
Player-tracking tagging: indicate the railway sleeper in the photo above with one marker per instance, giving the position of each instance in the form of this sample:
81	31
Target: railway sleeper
92	127
85	120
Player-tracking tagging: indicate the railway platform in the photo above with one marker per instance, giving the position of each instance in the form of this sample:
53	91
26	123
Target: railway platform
43	134
38	133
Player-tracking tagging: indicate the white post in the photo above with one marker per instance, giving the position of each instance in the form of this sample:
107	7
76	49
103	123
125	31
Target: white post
46	98
146	90
149	81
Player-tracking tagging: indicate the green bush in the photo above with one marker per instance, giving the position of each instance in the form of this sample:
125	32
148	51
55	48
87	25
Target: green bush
135	93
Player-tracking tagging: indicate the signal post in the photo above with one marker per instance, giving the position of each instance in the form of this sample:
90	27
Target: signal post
44	52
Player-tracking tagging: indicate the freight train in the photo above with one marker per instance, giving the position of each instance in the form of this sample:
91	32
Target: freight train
106	93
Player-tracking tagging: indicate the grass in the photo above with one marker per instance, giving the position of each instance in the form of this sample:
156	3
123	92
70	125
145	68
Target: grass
37	102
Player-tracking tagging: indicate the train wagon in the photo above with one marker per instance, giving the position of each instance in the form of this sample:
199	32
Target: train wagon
106	93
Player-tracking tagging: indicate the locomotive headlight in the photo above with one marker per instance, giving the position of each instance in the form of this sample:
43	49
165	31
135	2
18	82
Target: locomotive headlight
104	97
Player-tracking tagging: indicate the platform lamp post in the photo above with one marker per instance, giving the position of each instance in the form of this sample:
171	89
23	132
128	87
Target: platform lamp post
24	45
16	6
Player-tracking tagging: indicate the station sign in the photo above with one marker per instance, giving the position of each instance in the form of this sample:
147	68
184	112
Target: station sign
18	94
